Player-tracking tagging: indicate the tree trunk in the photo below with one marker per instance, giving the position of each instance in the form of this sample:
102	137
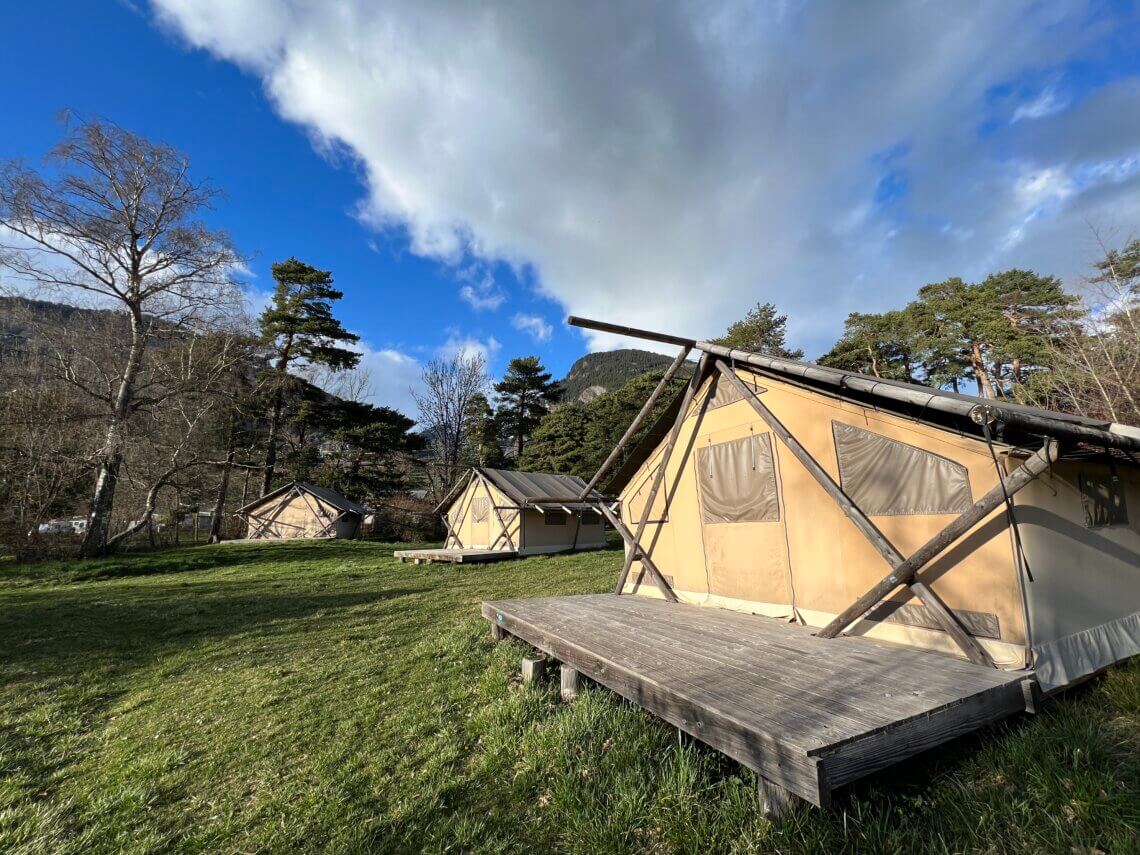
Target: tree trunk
874	361
985	386
220	501
95	539
275	415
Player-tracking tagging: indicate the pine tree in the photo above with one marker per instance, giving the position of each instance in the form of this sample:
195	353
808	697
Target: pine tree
761	331
525	394
558	443
482	433
299	327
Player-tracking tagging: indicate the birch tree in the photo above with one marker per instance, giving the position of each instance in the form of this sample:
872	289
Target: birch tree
116	217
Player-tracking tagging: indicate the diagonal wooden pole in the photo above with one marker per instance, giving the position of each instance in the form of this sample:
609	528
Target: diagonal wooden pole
1028	471
690	390
634	546
945	618
646	409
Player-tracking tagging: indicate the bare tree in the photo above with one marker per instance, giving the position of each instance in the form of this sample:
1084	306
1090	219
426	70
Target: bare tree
1096	365
449	385
115	218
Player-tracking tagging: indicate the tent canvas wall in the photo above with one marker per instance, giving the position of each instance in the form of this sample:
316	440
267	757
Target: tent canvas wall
302	510
741	522
507	510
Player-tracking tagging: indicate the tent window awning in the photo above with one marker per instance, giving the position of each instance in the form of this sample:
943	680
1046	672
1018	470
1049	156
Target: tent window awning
885	477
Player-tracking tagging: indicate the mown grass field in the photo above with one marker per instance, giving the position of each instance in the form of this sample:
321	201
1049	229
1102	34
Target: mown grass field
321	697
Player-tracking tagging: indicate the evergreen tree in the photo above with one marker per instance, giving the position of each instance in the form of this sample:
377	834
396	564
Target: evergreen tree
525	394
879	344
762	330
558	443
482	433
299	327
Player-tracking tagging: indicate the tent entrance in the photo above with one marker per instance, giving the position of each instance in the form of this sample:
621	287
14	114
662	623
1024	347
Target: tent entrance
745	548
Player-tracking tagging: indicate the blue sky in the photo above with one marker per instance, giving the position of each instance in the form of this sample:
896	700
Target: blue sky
471	173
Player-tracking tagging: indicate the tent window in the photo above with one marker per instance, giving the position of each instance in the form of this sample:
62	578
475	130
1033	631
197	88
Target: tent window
479	509
885	477
554	518
738	481
591	518
724	393
1103	498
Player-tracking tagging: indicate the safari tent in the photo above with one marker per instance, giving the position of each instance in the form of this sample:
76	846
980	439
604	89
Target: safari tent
987	545
302	510
502	513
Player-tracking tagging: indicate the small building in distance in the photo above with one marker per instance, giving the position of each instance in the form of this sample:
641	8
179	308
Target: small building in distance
301	510
503	513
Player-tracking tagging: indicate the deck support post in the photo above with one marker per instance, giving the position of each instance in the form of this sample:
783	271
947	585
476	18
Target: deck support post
497	632
942	615
646	409
905	573
690	390
571	682
775	801
533	667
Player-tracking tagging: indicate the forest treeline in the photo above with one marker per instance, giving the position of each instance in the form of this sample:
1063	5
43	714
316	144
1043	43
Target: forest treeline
162	399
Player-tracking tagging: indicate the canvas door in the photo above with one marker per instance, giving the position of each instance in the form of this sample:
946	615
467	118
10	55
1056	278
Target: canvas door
480	522
745	546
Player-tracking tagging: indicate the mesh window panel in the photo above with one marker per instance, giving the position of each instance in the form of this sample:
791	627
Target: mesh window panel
480	508
738	481
1103	498
554	517
591	518
724	393
885	477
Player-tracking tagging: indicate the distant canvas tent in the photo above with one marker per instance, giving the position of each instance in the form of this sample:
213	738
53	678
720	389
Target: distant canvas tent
841	504
502	513
302	510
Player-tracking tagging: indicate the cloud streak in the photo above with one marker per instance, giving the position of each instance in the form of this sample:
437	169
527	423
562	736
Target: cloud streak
669	165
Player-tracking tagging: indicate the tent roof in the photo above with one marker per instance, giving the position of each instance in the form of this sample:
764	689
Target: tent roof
1018	424
525	487
331	497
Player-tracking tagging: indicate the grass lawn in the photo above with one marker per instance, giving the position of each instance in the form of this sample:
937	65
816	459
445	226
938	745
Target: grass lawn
324	697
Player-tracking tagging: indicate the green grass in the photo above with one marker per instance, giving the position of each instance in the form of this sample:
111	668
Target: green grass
321	697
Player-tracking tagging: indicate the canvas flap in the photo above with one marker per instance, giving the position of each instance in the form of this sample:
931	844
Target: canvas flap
738	481
886	477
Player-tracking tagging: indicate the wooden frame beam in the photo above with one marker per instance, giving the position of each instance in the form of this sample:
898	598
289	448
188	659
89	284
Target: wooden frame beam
642	414
941	613
635	548
690	390
905	573
495	507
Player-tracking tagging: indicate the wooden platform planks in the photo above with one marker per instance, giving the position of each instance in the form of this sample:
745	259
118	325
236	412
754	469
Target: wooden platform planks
453	556
807	713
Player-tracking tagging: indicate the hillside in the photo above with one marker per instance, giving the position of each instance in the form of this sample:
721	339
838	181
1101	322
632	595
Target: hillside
596	373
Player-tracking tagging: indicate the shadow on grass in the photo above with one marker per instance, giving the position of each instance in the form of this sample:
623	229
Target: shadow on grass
186	559
66	633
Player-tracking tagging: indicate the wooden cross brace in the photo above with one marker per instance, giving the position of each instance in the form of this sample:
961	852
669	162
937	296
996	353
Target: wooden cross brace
904	570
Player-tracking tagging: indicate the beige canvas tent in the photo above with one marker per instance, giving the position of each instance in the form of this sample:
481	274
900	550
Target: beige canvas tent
1049	580
830	572
501	513
302	510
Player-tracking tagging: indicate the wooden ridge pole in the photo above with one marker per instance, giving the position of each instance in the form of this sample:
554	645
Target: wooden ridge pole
1038	463
634	546
945	618
690	390
646	409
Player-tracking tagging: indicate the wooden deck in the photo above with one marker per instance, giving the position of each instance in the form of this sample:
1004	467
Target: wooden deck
453	556
808	714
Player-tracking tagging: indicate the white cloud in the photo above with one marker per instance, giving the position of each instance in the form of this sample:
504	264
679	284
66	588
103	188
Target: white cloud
480	292
669	165
533	325
392	376
1045	104
466	345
